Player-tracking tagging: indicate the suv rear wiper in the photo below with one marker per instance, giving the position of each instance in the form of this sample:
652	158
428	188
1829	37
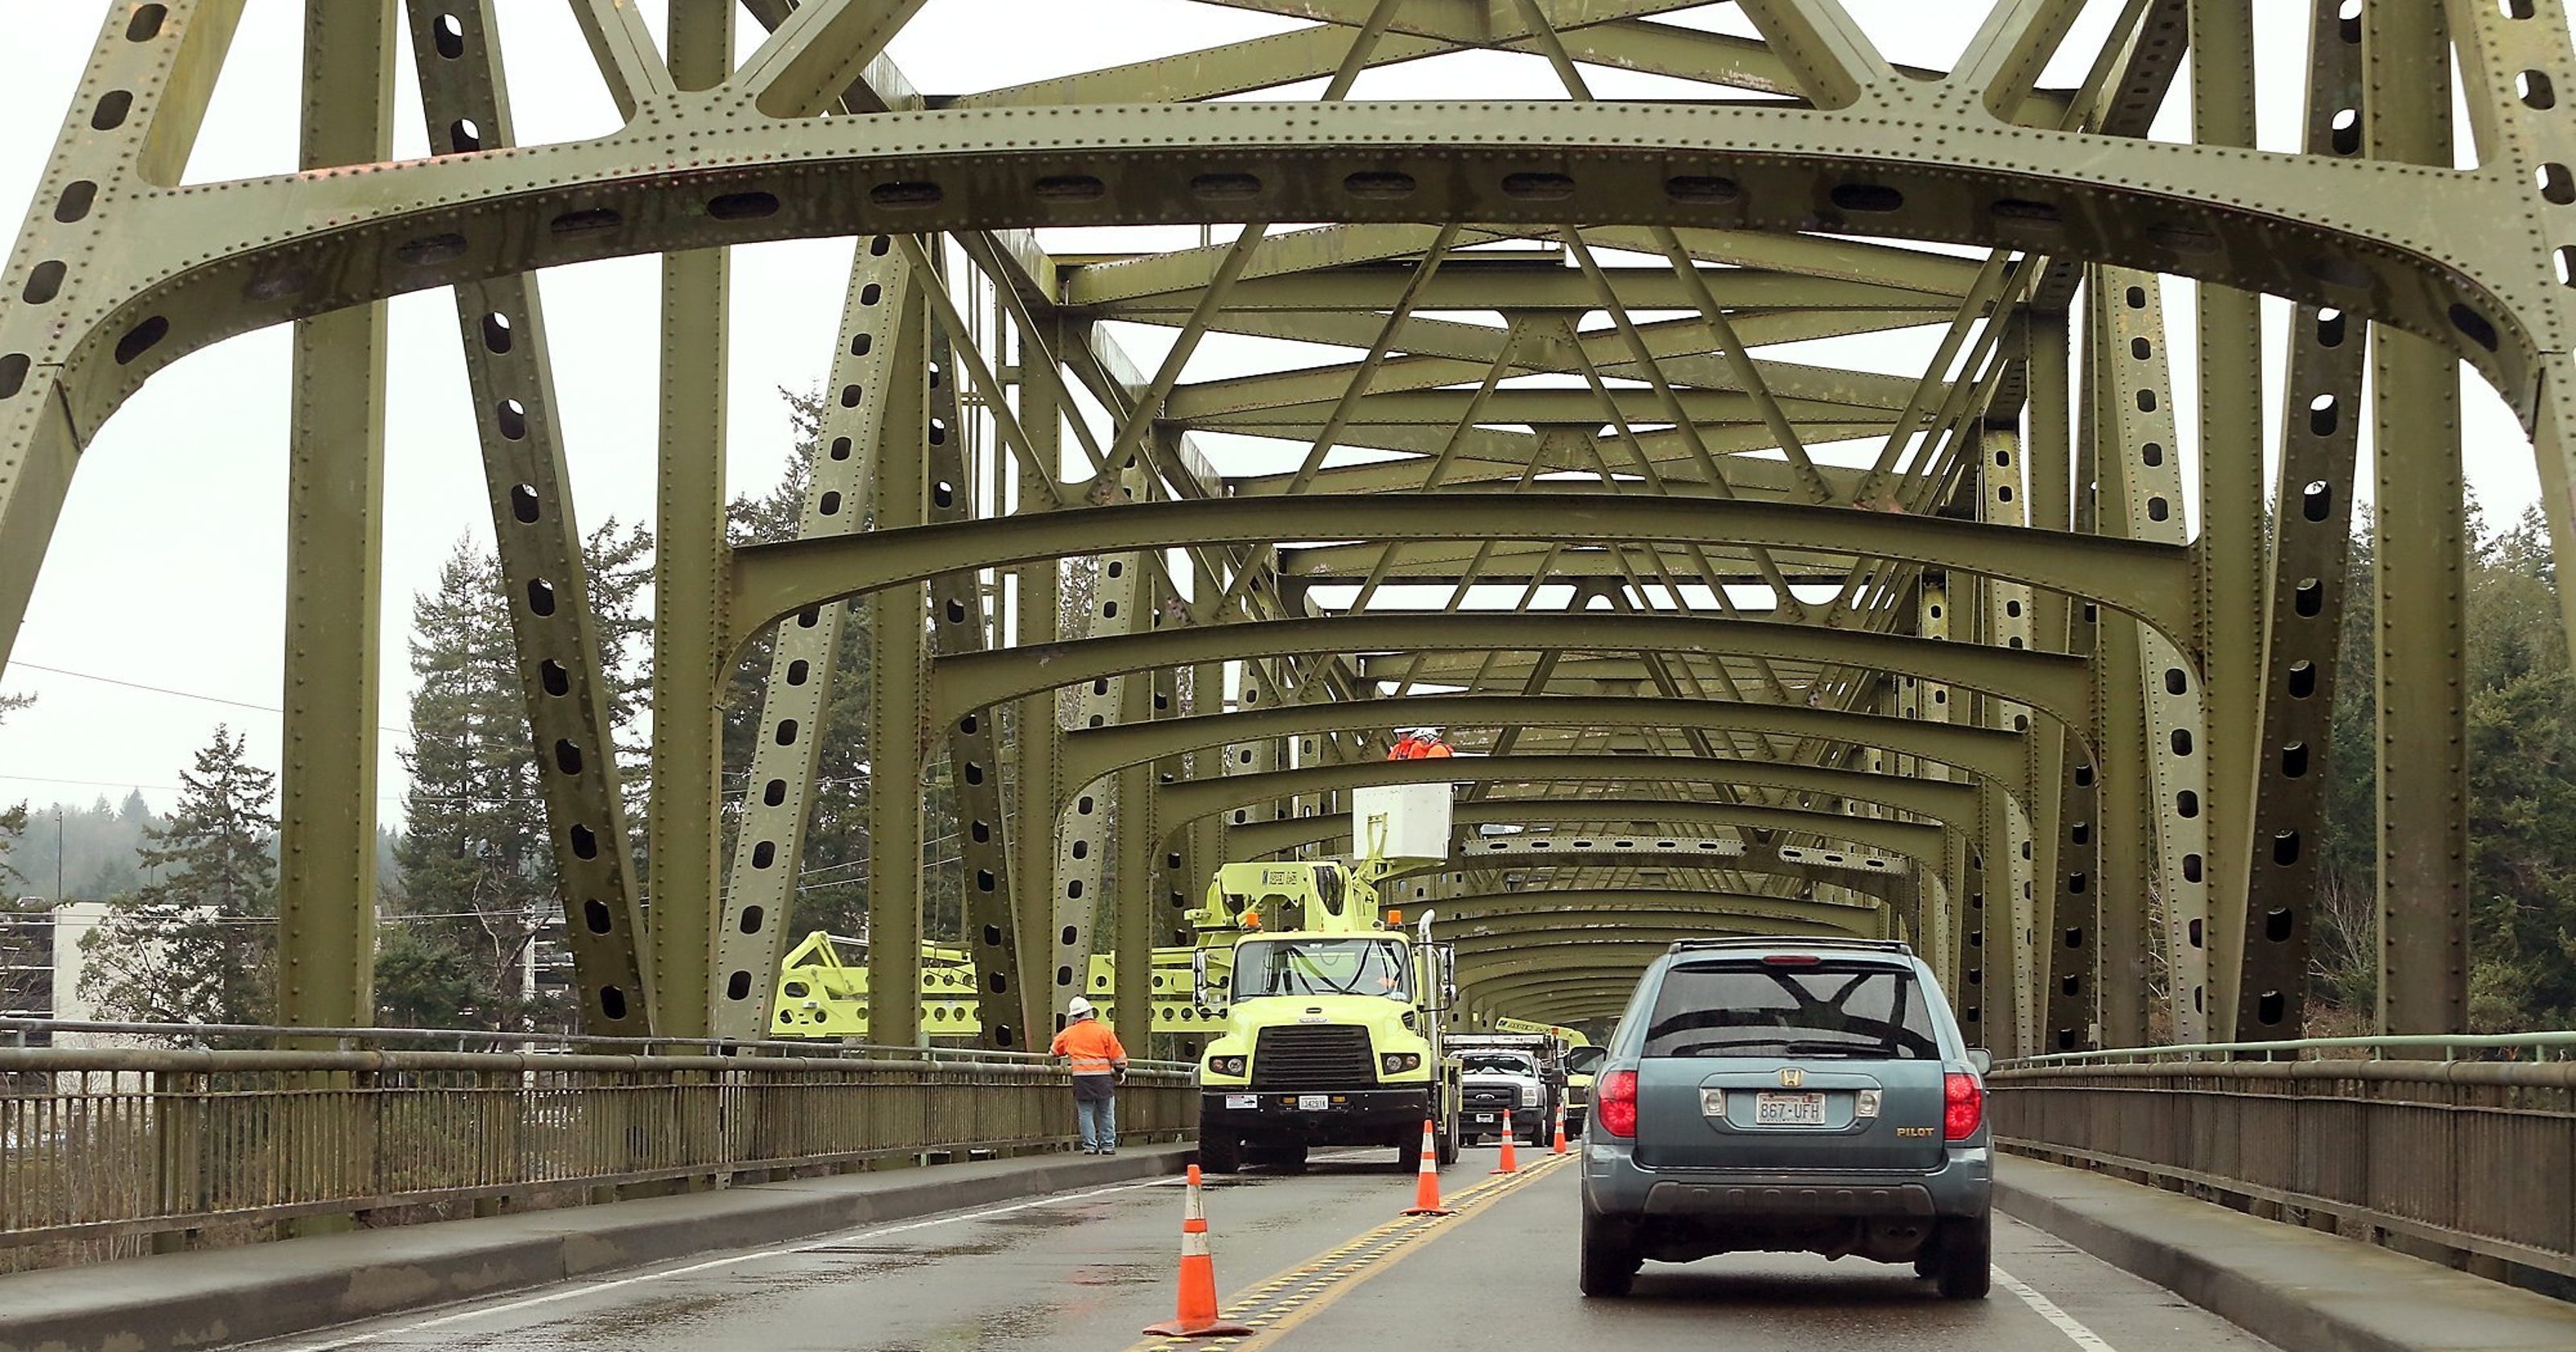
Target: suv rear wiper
1856	1050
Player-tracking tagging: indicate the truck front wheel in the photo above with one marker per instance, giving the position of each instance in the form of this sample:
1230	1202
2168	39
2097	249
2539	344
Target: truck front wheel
1219	1152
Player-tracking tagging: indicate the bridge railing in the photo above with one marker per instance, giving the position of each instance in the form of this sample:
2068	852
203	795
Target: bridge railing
2467	1161
103	1150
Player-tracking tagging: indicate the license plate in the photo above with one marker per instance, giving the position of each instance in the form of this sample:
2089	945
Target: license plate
1487	1117
1313	1103
1788	1110
1243	1100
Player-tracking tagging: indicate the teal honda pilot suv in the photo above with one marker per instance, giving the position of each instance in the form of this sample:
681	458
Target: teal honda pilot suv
1790	1095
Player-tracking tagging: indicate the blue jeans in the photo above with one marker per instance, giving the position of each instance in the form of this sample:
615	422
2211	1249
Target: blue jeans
1099	1122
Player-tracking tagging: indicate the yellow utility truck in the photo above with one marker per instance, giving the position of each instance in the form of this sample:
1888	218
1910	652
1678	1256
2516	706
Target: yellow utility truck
1333	1017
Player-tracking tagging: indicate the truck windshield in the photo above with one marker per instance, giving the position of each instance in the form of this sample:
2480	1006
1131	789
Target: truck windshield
1494	1063
1321	967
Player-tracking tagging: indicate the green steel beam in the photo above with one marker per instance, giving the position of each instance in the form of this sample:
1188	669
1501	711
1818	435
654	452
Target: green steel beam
1913	840
2151	582
1987	753
335	485
1950	803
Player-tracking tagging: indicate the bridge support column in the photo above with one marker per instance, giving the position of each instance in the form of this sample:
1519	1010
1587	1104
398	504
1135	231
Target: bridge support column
690	575
899	700
1038	744
2420	560
326	886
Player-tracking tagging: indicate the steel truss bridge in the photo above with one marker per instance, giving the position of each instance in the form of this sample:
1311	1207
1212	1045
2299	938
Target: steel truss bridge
1746	643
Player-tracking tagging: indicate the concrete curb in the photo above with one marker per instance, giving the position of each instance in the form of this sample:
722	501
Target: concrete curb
2302	1290
171	1302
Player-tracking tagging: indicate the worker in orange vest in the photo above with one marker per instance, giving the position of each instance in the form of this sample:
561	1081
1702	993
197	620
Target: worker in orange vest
1420	744
1099	1066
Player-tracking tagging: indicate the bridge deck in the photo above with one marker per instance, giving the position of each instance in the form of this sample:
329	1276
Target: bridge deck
1316	1262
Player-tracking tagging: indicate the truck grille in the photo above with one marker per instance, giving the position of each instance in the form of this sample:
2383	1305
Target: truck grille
1488	1097
1312	1058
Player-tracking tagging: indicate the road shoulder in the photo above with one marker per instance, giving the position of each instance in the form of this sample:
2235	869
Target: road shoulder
2304	1291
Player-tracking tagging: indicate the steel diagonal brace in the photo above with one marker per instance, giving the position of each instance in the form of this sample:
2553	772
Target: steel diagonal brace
2311	549
2141	493
563	687
859	417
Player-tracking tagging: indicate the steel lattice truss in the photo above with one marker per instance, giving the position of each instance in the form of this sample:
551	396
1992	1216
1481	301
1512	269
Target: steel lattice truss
1750	643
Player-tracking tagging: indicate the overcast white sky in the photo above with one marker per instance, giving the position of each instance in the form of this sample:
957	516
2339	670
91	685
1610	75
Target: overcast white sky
167	568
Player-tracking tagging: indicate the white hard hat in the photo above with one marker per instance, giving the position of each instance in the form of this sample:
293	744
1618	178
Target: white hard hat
1078	1008
1427	734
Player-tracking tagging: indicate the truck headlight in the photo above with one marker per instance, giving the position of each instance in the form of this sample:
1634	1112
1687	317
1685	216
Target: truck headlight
1225	1065
1397	1063
1529	1096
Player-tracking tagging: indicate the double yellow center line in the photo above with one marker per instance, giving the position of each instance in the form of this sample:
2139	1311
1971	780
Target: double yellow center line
1282	1302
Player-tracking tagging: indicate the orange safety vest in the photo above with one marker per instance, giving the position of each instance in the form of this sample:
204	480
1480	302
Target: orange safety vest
1414	748
1091	1046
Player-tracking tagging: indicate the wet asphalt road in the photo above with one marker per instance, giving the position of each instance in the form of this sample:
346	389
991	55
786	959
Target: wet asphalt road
1088	1270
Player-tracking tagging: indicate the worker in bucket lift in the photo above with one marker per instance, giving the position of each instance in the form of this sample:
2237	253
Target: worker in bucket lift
1099	1067
1420	744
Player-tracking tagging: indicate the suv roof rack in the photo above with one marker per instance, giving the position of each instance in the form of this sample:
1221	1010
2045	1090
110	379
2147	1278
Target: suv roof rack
1782	941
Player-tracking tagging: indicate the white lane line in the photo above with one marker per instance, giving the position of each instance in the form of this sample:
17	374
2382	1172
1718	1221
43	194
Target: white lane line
2047	1309
592	1288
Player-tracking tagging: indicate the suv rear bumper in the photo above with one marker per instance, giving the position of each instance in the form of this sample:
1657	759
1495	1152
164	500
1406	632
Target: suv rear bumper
1614	1186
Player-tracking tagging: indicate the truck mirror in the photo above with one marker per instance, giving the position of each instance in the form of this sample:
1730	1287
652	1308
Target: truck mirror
1198	977
1982	1059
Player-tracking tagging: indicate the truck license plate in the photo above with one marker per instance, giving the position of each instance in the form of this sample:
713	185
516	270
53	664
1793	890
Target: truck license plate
1313	1103
1788	1110
1487	1117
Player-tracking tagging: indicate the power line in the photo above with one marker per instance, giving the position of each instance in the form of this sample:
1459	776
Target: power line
165	690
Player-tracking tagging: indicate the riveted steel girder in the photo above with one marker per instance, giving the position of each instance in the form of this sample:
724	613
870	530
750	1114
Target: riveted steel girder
2151	582
1951	803
1979	751
1912	839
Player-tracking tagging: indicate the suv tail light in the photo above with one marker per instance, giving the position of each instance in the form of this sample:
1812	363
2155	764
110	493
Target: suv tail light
1614	1103
1963	1106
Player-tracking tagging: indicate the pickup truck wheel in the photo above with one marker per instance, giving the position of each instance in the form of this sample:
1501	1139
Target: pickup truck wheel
1965	1266
1609	1263
1446	1153
1220	1153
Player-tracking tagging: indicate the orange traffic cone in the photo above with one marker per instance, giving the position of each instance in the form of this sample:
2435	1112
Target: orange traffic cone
1560	1130
1511	1161
1197	1315
1426	1178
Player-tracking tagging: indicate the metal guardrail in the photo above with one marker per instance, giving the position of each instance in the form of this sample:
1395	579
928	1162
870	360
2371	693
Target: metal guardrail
112	1144
21	1031
2471	1162
2451	1047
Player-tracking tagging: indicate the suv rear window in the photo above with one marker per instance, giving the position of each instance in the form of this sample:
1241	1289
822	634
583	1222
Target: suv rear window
1831	1009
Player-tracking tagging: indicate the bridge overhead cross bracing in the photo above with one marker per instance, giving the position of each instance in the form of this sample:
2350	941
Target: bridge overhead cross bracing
1729	427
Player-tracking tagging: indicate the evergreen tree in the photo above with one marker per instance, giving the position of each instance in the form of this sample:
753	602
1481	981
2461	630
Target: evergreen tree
196	945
